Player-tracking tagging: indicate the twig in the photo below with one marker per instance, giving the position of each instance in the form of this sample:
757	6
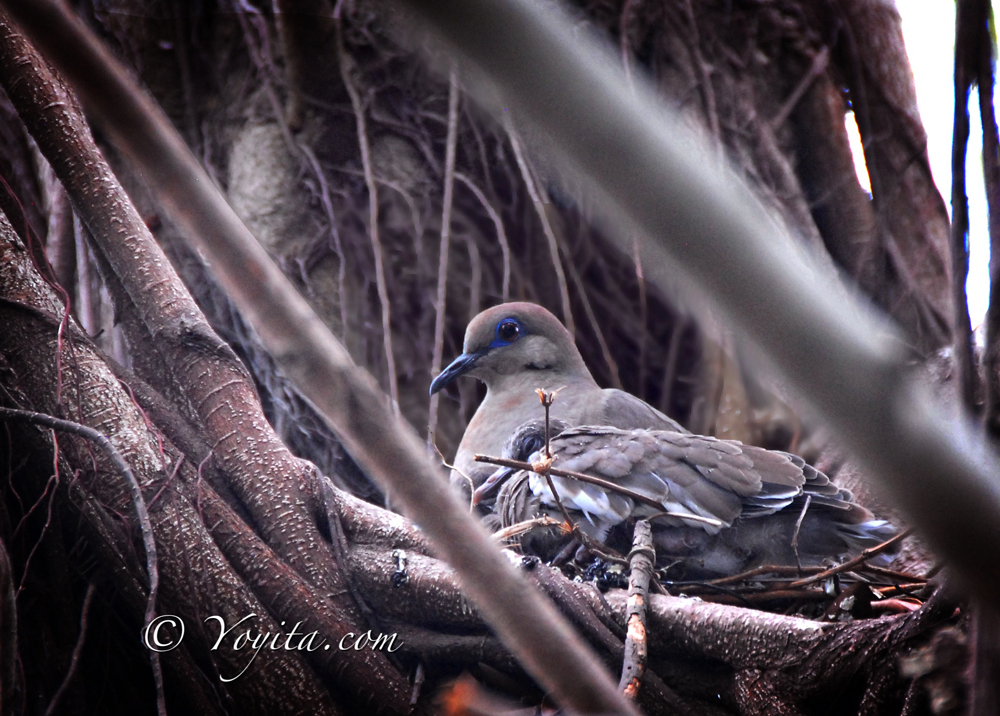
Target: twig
641	560
637	496
670	368
899	588
640	280
543	468
965	74
904	576
526	526
74	660
588	310
145	526
751	598
851	564
331	217
536	199
294	61
991	177
498	226
346	62
547	400
756	571
819	63
475	275
442	278
624	27
798	527
418	682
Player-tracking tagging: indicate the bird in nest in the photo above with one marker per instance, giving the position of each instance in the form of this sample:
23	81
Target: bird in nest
728	506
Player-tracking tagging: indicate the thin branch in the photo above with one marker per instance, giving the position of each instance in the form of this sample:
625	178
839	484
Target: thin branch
852	563
526	526
670	367
475	275
346	63
74	661
965	63
294	61
991	177
138	501
818	66
595	326
643	316
442	280
798	527
536	200
758	571
331	217
498	226
542	467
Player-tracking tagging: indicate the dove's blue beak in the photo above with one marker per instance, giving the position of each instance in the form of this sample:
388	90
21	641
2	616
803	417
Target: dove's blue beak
460	366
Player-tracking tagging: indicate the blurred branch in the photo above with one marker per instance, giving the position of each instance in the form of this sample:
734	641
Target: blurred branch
344	394
849	363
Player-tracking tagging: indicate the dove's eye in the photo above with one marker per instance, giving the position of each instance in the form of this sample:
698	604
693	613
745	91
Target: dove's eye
508	330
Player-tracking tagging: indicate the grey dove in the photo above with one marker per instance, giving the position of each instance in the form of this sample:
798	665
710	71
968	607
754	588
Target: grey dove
732	506
516	348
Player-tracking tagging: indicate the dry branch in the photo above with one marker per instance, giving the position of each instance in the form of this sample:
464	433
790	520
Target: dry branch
641	559
346	63
553	244
440	304
498	225
605	484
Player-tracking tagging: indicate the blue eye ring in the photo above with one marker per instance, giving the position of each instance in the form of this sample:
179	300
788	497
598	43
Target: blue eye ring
508	330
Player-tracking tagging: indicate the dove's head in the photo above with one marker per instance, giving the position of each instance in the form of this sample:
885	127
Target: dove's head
514	342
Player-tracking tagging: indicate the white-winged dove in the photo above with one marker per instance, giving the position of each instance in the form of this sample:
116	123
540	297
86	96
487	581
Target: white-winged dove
516	348
747	505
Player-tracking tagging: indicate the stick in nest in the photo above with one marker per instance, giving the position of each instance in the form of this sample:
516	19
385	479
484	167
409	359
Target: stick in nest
642	558
851	564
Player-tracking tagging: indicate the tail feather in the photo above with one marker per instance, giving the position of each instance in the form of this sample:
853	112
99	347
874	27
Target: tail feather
871	534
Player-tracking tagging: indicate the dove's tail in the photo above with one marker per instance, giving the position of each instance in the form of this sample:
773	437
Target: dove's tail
867	535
